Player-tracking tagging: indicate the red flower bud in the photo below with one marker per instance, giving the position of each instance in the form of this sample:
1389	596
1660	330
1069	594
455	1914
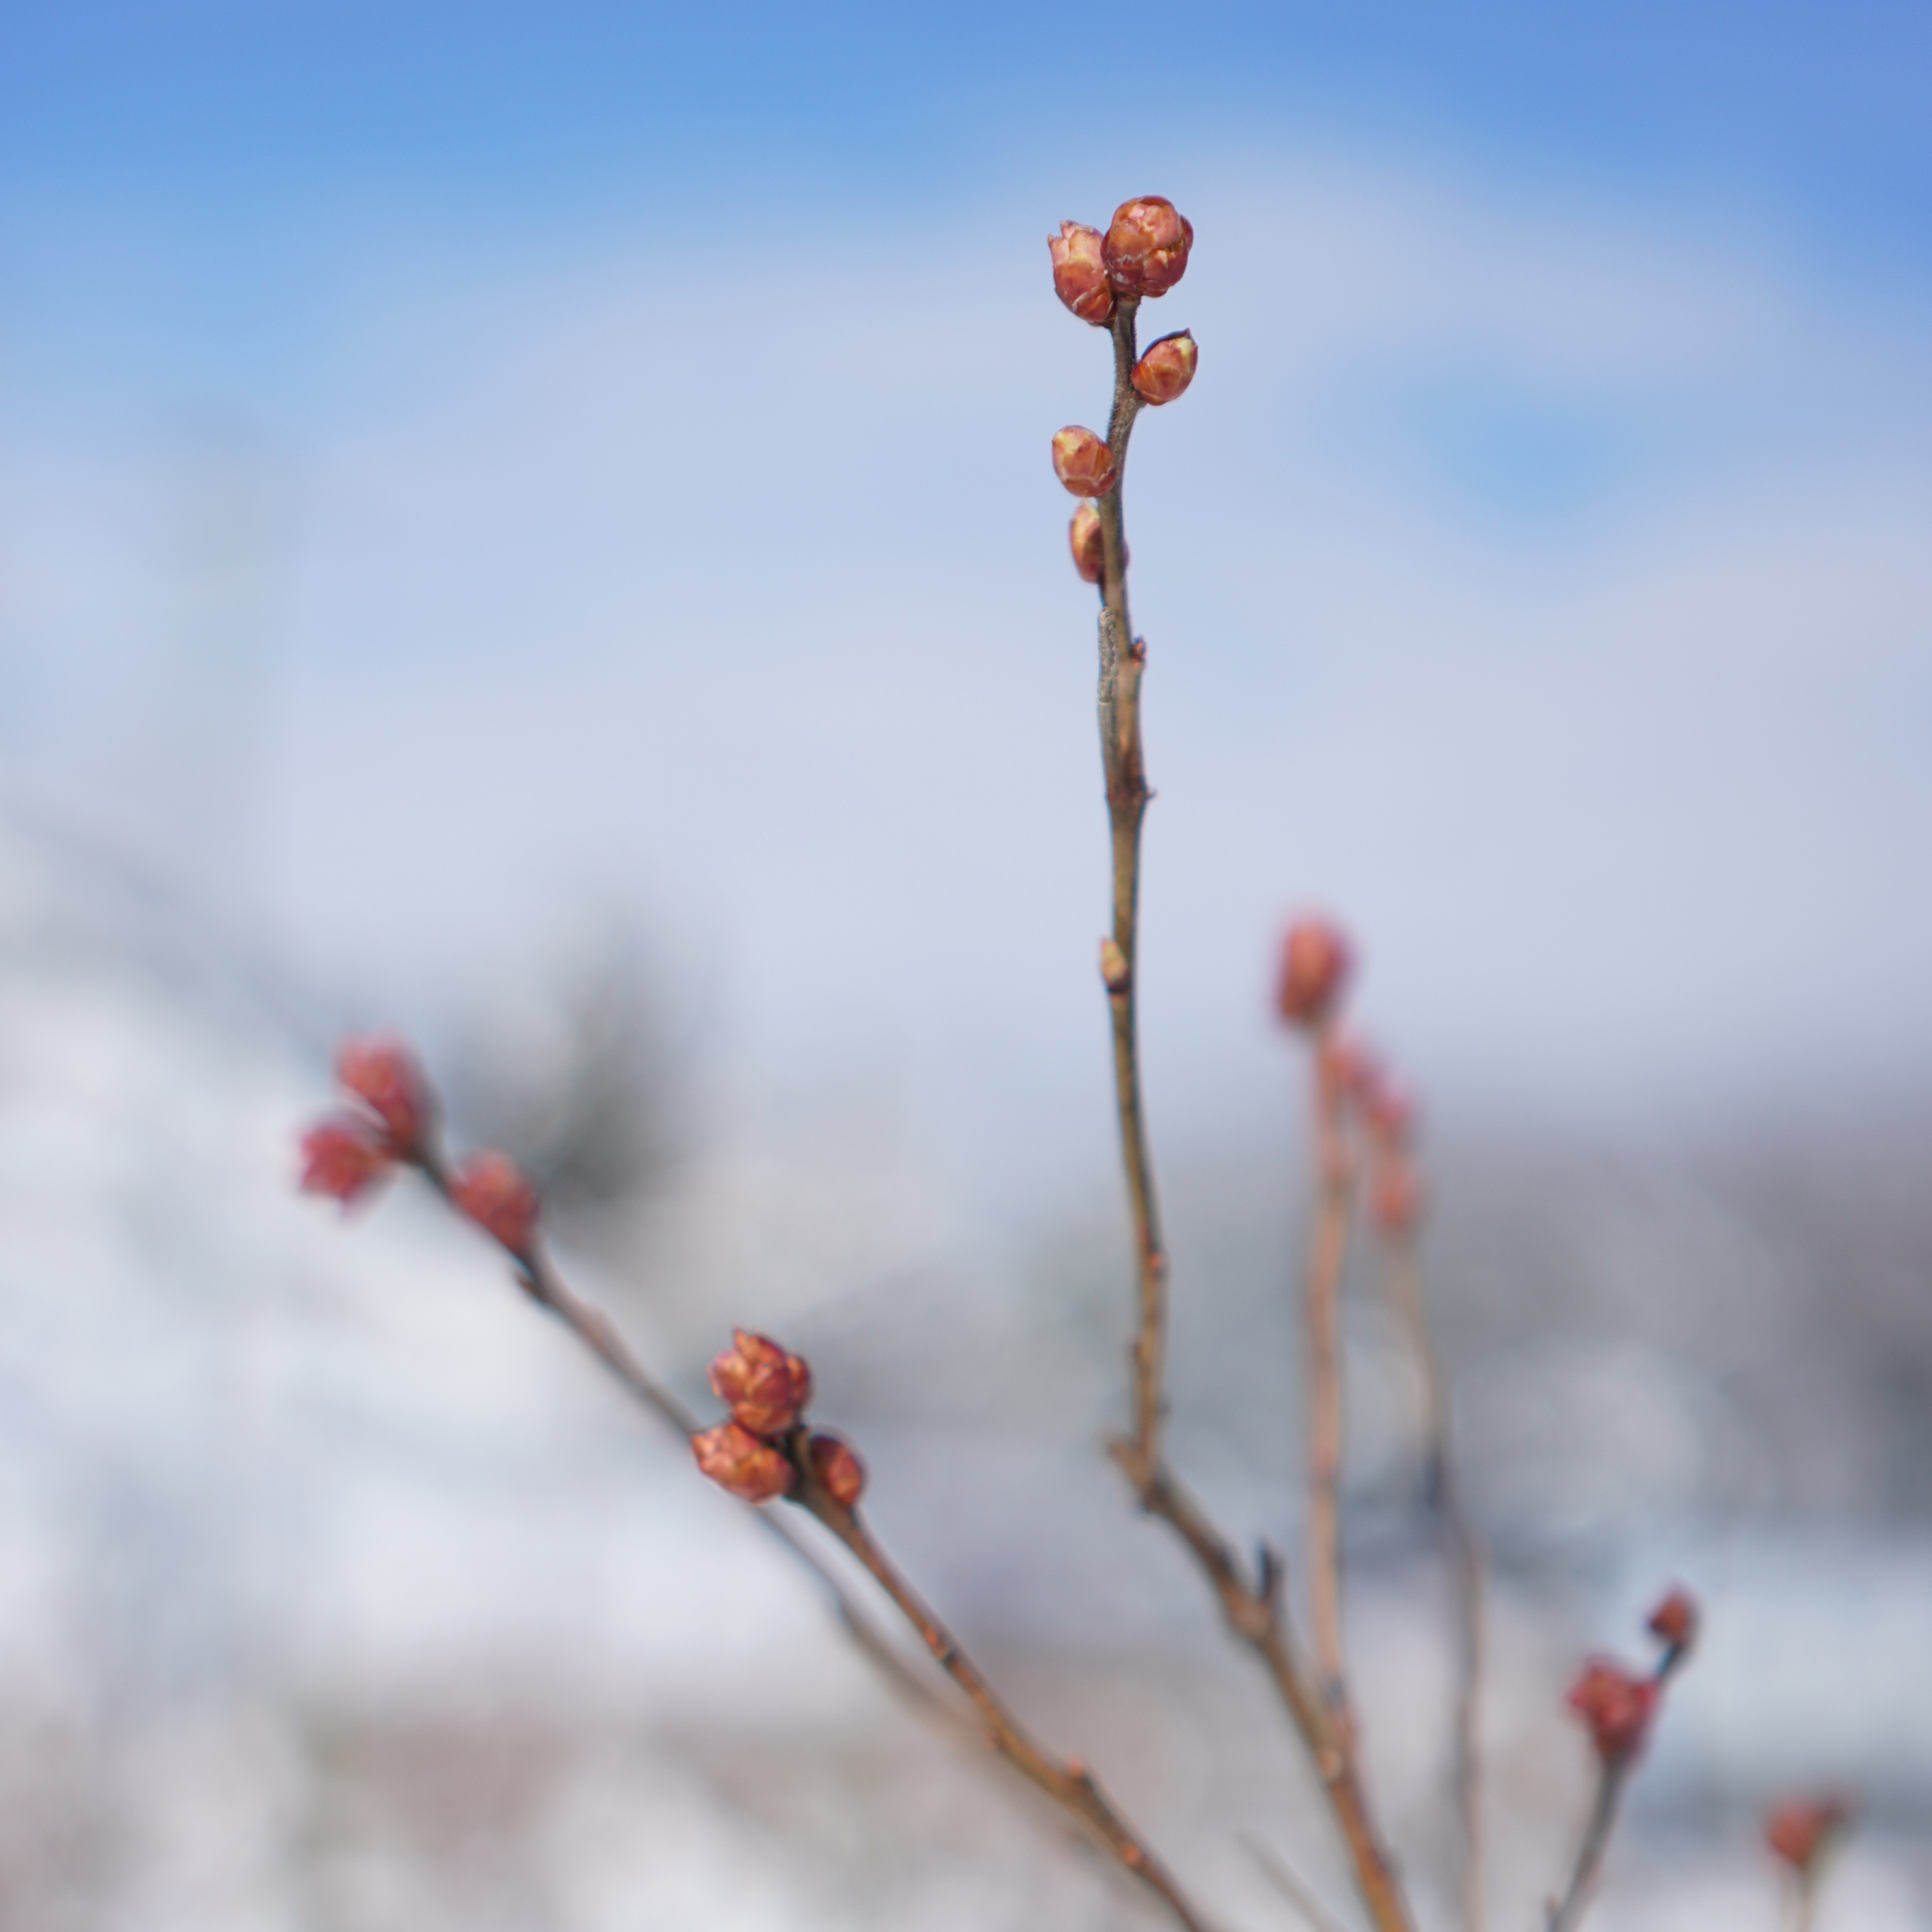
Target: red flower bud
1316	961
736	1460
765	1388
1675	1620
1079	275
1617	1707
344	1156
1084	462
1165	371
1082	535
1146	244
835	1465
488	1189
1397	1197
382	1071
1800	1829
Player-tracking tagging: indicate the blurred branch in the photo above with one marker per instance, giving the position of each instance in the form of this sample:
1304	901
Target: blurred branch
1282	1876
1403	1277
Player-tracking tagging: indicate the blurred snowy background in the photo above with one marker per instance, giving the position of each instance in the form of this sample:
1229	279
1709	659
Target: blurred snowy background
538	528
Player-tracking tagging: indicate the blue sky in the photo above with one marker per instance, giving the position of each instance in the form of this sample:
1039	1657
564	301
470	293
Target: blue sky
1817	111
458	468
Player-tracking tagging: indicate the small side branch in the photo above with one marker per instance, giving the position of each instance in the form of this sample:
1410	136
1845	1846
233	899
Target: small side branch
1565	1913
1067	1782
1327	1257
1404	1276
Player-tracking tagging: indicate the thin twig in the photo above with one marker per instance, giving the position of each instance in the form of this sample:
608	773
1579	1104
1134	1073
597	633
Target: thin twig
1294	1890
1255	1613
1567	1912
1613	1774
1067	1782
1404	1277
1327	1254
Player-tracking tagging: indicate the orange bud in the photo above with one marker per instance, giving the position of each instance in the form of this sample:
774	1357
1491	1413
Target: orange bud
1115	973
1146	244
736	1460
1800	1829
1617	1707
490	1190
1165	371
1084	462
1083	534
1079	275
343	1158
835	1465
382	1071
1316	961
765	1388
1675	1620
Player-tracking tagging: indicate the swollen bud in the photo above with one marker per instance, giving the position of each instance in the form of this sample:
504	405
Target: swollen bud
736	1460
1082	535
1617	1708
1674	1621
1316	961
1080	275
1146	244
1114	971
383	1073
496	1196
837	1469
765	1388
1165	371
1800	1828
1084	462
343	1158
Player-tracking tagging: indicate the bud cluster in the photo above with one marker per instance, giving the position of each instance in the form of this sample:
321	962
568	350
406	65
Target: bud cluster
1619	1706
1142	254
390	1121
757	1454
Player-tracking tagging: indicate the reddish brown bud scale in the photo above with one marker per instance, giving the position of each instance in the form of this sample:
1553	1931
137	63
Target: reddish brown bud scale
1115	973
1084	462
1674	1621
1800	1830
736	1460
765	1388
491	1191
1167	368
343	1158
383	1073
1080	273
1315	962
1083	537
837	1469
1617	1707
1146	246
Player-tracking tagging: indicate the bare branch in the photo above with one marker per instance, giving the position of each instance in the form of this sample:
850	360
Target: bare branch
1294	1890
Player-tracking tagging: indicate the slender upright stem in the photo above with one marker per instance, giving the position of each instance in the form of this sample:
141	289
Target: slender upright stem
1254	1611
1567	1912
1404	1277
1327	1254
1066	1781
